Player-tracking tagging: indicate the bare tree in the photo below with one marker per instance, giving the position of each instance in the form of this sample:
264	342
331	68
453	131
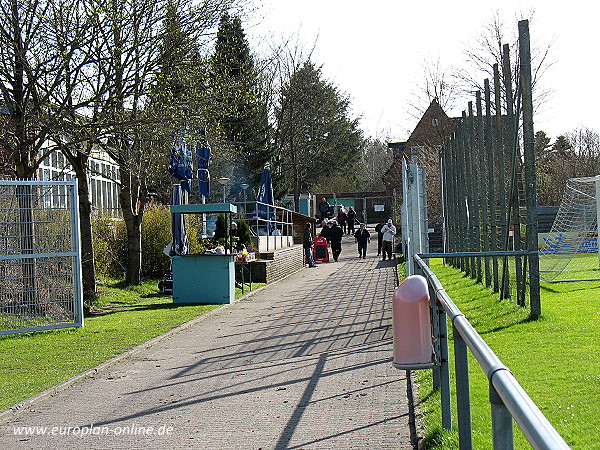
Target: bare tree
585	143
47	76
496	39
134	33
438	82
41	45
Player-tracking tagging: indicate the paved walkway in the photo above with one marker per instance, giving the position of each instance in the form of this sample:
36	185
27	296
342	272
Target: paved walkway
304	363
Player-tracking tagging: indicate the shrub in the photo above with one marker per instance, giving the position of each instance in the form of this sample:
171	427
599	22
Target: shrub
110	242
110	245
156	235
243	233
221	231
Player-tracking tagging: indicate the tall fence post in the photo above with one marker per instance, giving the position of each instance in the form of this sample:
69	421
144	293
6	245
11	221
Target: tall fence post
500	161
405	209
75	237
530	177
414	214
483	188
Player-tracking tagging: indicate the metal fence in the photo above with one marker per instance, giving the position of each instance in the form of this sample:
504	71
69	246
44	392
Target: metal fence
272	226
40	267
507	398
481	205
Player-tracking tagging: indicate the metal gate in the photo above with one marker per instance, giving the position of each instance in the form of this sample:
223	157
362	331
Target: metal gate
40	262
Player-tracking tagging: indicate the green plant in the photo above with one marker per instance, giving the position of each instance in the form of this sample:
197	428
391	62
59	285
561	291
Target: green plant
110	245
221	232
156	235
243	233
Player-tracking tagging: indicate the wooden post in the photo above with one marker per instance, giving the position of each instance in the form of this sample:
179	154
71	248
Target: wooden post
530	177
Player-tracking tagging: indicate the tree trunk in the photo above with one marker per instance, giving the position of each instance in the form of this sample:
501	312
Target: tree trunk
132	207
88	269
78	161
134	251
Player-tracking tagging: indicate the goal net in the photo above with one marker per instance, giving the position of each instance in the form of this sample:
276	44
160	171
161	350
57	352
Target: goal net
570	251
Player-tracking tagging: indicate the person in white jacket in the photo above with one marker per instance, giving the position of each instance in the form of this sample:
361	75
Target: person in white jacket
389	231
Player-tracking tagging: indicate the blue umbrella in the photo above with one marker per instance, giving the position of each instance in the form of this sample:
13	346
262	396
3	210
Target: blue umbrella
203	162
265	195
180	244
180	165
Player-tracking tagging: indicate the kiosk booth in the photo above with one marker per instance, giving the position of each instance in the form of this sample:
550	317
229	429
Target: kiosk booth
205	278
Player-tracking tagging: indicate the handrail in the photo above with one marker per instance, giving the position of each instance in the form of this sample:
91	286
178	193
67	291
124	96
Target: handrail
534	425
282	219
252	216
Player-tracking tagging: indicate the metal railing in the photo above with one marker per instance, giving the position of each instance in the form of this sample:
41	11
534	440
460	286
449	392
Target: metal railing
507	398
268	221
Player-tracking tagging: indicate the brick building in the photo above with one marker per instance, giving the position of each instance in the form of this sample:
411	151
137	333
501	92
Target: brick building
424	143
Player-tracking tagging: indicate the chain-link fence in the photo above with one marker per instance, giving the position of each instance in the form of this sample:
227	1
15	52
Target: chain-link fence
40	268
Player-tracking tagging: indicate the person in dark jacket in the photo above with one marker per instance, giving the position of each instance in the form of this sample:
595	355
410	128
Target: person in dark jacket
325	231
307	243
335	237
378	228
362	237
324	208
342	218
351	220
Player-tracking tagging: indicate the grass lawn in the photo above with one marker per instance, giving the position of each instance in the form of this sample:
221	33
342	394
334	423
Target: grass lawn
555	359
33	362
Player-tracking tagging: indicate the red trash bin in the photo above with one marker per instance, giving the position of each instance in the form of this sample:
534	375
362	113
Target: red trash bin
321	249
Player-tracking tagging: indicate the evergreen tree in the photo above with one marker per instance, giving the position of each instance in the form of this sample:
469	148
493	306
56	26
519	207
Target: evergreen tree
316	137
221	231
243	232
240	113
177	95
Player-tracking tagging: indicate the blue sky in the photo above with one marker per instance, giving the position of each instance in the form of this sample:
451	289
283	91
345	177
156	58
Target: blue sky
374	51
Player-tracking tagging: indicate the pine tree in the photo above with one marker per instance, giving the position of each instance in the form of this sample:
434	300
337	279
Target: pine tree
221	231
316	137
239	110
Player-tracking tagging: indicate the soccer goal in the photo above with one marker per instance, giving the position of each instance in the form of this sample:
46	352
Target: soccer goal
570	251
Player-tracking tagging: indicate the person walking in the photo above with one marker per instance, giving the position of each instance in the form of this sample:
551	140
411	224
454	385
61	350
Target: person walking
335	237
351	220
326	231
307	244
362	237
324	207
389	231
342	218
378	228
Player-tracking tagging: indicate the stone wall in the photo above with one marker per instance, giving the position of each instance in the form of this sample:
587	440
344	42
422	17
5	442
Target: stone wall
274	266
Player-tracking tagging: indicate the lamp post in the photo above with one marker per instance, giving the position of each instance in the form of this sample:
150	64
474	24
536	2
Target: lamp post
223	182
245	186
